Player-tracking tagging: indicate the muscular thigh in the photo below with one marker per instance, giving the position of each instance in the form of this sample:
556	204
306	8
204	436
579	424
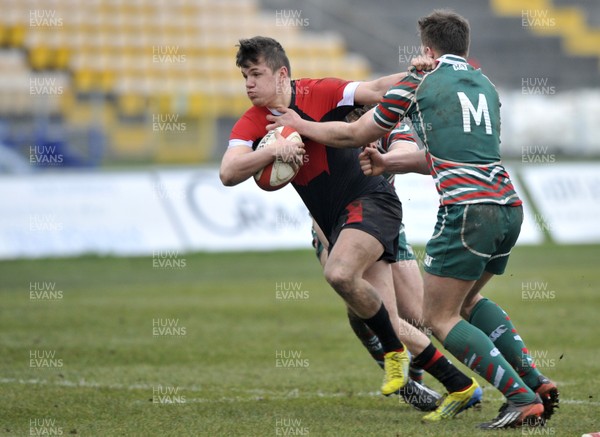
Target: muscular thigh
355	251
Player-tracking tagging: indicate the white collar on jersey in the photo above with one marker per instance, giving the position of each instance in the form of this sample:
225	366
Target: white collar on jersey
452	59
274	111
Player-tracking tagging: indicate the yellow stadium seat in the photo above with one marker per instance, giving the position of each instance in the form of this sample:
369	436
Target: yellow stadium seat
131	104
16	35
162	103
84	80
131	141
4	30
40	58
61	58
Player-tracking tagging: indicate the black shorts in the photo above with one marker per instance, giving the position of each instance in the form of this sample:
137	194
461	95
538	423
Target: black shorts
378	214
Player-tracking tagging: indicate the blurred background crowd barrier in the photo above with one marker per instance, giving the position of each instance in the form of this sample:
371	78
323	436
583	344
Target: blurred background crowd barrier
121	86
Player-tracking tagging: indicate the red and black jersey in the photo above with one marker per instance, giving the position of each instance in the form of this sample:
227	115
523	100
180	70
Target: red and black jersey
331	177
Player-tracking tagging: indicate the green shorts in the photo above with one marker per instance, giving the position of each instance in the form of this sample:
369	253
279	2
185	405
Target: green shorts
405	250
316	243
471	239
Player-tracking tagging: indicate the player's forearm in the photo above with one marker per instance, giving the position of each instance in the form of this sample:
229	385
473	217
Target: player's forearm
372	92
334	134
403	162
237	168
383	84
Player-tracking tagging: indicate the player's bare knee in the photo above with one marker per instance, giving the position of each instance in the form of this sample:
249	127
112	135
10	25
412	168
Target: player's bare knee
340	282
465	312
436	328
469	304
341	279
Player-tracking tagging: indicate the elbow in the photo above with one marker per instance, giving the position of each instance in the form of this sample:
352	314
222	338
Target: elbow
227	178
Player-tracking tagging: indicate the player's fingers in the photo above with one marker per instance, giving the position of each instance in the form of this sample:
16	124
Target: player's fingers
423	63
370	151
299	159
272	126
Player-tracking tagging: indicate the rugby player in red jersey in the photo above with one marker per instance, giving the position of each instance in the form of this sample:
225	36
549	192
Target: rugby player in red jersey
360	216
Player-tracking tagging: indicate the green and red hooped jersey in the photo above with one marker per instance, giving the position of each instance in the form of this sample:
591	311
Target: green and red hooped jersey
455	110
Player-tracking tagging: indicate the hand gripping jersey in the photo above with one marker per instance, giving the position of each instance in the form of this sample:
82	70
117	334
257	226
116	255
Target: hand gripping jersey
455	110
330	178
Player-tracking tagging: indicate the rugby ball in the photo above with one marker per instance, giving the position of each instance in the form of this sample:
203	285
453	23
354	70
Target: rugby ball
279	173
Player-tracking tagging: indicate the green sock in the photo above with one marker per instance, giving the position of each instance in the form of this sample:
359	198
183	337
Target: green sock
495	323
474	349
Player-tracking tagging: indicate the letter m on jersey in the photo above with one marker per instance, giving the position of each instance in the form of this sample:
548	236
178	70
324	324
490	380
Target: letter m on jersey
481	112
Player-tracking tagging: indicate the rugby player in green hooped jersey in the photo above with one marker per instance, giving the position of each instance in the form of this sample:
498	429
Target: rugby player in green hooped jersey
455	110
359	215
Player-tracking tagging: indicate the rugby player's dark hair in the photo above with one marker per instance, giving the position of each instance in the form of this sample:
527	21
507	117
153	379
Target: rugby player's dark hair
358	112
252	50
446	32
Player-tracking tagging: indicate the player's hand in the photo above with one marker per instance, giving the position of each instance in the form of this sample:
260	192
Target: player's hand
288	117
371	161
287	151
423	63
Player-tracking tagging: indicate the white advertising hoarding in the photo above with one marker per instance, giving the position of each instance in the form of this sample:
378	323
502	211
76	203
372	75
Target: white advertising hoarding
213	217
531	232
140	213
76	213
568	200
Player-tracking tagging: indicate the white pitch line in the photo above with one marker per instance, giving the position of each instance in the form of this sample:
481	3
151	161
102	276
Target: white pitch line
88	384
253	394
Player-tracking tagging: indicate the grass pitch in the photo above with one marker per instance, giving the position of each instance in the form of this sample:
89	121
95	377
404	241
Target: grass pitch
254	344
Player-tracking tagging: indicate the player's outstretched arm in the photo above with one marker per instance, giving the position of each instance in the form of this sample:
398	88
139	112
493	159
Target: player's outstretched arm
411	162
333	133
240	162
368	93
371	92
405	155
374	163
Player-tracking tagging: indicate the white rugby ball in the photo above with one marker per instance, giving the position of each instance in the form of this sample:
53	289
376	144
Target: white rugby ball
279	173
